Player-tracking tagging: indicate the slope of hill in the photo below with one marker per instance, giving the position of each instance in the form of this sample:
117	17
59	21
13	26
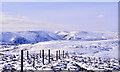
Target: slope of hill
88	36
26	37
90	50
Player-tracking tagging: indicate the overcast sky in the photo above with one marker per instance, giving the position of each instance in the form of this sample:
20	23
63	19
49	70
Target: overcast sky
67	16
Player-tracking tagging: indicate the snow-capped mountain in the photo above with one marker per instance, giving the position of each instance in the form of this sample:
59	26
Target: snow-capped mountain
87	36
62	34
25	37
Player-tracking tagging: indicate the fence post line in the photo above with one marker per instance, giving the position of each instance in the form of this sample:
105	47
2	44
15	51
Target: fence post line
40	53
21	60
49	55
43	56
27	55
59	54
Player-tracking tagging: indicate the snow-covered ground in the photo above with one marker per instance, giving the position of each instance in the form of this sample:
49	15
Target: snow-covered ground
103	48
99	50
13	62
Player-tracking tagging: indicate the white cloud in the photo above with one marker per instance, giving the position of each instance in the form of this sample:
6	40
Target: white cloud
10	23
100	16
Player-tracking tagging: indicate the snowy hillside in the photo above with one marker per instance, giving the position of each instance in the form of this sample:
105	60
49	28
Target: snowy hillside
86	50
100	44
104	48
62	34
26	37
88	36
90	55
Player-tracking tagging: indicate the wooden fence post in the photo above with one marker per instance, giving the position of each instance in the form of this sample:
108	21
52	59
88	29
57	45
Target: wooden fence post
27	55
21	60
49	55
33	60
59	54
40	53
56	55
43	56
67	54
63	53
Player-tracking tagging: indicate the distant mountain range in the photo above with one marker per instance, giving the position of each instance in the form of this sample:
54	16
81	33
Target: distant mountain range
87	36
26	37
